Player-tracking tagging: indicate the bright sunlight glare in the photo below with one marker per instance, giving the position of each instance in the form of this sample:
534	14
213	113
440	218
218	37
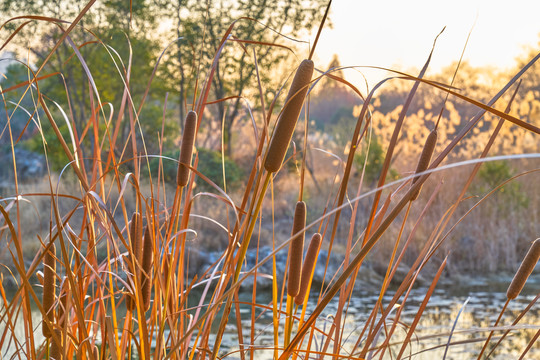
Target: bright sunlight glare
399	34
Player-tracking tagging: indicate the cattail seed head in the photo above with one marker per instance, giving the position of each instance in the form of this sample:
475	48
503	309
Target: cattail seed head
49	285
147	268
296	249
287	121
425	159
524	271
186	149
56	346
308	266
135	237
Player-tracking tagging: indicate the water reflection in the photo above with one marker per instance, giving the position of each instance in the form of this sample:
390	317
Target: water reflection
432	332
430	338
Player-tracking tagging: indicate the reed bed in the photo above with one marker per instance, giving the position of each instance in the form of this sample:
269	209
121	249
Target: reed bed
123	250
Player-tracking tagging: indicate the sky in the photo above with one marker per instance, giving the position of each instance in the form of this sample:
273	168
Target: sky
400	34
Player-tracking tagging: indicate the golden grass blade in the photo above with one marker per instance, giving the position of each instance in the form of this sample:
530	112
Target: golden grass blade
411	329
425	158
520	316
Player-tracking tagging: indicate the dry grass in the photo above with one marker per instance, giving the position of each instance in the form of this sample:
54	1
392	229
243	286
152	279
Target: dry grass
127	292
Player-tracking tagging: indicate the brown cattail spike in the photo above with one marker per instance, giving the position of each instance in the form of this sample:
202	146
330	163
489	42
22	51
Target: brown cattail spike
147	268
425	159
524	271
49	285
296	249
56	346
307	269
135	237
186	149
287	121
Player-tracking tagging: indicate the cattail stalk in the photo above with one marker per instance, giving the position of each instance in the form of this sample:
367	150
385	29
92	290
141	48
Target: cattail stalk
147	268
524	271
186	149
49	285
289	116
307	268
425	159
296	249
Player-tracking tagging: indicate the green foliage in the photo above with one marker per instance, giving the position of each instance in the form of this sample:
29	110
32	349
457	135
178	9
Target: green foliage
17	105
200	32
492	174
375	159
210	165
55	152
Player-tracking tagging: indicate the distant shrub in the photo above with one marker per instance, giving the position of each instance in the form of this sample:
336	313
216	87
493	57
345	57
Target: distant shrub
375	159
493	173
56	156
210	165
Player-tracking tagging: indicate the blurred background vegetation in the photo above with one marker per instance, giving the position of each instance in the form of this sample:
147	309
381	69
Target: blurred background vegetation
183	36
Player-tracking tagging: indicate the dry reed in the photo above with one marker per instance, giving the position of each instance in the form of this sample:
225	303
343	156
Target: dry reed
287	121
425	159
524	271
296	249
63	297
39	276
186	149
307	268
49	285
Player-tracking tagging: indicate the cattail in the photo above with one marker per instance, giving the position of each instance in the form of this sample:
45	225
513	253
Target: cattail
425	159
287	121
307	269
135	237
296	249
147	268
49	285
524	271
62	310
186	150
56	346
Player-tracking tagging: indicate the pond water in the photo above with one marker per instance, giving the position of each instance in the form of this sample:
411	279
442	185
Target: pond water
485	301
